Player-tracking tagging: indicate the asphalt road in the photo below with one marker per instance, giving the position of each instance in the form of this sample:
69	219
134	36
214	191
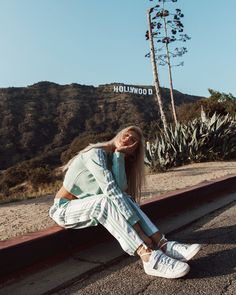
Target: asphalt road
213	270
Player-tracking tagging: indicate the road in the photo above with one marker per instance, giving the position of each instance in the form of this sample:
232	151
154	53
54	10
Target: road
213	270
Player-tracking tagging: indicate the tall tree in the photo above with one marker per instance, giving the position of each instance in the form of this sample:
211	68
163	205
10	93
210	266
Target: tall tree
152	55
166	29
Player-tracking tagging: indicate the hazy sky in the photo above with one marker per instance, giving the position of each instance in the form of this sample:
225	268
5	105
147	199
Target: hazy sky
95	42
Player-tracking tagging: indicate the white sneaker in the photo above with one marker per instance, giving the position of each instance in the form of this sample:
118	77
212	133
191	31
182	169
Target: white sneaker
161	265
182	252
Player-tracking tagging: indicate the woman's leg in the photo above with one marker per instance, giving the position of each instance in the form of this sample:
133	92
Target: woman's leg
173	249
100	209
147	225
96	209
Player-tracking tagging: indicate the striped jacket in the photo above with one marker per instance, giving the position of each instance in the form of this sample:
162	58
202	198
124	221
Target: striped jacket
96	172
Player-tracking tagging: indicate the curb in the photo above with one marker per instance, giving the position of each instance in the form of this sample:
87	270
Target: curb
19	253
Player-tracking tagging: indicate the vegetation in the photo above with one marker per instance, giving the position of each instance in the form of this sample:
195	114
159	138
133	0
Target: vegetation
203	139
219	103
43	119
166	28
34	145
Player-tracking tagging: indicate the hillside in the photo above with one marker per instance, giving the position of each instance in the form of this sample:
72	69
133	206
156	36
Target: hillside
40	121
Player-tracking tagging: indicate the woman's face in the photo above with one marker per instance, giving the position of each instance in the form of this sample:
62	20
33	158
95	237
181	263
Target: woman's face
129	140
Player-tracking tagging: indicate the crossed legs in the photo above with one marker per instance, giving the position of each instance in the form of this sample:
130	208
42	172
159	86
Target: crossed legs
96	209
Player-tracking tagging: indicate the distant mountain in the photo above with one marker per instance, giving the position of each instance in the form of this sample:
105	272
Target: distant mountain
43	119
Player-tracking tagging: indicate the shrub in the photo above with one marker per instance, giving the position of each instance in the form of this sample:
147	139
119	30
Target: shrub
81	142
203	139
219	103
39	176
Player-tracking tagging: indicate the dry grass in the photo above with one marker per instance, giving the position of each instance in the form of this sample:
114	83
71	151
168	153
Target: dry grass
25	191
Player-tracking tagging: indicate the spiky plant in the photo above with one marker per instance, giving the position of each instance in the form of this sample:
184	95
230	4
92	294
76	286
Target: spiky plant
203	139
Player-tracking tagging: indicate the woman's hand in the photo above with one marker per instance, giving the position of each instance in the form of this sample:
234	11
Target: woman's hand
127	143
127	149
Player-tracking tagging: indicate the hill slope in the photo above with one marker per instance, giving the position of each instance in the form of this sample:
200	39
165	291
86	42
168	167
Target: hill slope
43	119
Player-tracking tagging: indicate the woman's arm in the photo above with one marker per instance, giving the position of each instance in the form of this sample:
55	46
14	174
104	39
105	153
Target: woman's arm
118	170
95	162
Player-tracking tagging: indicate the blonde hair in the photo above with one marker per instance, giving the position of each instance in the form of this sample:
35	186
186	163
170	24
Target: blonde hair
134	165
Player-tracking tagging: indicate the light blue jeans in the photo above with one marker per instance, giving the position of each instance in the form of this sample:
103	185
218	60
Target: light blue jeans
92	210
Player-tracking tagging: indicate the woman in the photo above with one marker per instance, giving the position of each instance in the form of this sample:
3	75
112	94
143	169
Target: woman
100	186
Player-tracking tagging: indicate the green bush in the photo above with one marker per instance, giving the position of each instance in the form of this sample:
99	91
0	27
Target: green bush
203	139
219	103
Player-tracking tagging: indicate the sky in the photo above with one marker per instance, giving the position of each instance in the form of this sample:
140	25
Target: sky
95	42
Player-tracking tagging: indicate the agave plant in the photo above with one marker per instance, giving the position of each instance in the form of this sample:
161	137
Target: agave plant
203	139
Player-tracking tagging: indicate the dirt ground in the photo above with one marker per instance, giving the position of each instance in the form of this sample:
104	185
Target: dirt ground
23	217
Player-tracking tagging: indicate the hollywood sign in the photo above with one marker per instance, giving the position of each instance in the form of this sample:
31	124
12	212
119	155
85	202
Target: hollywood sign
131	89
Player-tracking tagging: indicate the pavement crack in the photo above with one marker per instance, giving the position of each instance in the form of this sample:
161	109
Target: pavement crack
107	263
89	261
226	287
144	288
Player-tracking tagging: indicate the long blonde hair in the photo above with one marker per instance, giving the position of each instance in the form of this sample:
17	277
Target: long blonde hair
134	165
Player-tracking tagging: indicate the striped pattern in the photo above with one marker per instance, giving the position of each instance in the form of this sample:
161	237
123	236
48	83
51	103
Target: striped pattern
112	208
96	209
147	225
97	165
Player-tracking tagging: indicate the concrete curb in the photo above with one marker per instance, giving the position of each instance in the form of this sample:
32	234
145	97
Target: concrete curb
19	253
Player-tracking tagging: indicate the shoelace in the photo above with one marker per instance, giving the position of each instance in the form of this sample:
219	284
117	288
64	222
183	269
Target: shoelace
178	248
163	238
164	260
